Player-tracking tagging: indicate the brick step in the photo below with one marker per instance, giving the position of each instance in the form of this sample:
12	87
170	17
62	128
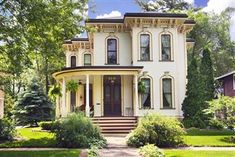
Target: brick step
115	121
116	124
115	131
117	128
111	118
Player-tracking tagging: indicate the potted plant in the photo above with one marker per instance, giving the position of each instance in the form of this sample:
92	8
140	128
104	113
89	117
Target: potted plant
54	91
141	87
72	86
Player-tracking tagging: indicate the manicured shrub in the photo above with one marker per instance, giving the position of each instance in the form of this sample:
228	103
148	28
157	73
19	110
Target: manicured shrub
216	124
223	110
93	152
7	130
150	150
77	131
47	125
159	130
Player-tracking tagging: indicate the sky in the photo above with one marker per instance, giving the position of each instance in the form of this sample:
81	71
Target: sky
109	8
117	8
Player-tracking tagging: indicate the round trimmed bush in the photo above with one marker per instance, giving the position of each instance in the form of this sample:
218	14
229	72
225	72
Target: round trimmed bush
150	150
47	125
77	131
158	130
7	130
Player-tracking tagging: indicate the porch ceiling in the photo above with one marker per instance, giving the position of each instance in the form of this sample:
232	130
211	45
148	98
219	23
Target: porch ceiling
97	70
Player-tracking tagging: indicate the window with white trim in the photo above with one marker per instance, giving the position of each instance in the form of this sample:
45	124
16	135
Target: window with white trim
167	96
87	59
73	61
144	47
111	51
146	95
166	47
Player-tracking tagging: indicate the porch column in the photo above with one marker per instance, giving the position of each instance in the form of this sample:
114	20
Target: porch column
87	97
63	105
136	106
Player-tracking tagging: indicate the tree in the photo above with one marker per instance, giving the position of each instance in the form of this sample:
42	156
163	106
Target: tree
191	104
163	5
33	106
213	31
207	77
33	33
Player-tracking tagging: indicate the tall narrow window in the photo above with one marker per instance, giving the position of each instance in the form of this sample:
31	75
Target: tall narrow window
167	92
166	47
146	96
145	47
87	59
233	82
73	61
73	100
112	51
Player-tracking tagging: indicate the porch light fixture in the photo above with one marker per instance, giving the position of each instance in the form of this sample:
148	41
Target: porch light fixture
79	82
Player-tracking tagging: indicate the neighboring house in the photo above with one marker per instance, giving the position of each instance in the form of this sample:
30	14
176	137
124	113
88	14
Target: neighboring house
109	64
227	84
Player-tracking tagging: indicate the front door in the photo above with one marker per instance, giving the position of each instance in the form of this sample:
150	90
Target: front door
112	95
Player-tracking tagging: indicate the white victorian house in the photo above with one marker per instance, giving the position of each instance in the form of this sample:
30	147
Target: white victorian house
108	65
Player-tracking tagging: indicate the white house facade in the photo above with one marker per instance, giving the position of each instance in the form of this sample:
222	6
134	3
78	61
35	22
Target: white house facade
127	67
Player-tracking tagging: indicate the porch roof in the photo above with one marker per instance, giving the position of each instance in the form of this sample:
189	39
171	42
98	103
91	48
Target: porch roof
98	70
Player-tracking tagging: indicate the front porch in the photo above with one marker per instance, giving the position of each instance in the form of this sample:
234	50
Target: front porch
103	91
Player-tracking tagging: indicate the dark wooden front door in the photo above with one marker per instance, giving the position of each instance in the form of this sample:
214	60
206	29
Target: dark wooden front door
112	95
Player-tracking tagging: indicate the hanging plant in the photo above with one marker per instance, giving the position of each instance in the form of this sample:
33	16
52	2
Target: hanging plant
54	91
141	87
72	86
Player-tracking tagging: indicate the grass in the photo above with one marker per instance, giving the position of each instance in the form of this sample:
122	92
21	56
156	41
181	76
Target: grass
32	137
197	137
192	153
57	153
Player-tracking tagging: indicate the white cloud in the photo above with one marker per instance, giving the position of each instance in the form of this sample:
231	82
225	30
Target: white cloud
112	14
232	27
218	6
189	1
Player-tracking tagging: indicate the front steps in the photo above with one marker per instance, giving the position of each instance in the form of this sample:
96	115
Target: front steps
115	126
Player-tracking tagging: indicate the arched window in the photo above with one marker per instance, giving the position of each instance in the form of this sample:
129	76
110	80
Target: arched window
73	61
87	59
146	95
144	47
166	47
167	93
111	51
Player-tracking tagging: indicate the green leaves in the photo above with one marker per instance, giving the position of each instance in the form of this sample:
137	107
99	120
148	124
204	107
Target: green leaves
55	91
72	85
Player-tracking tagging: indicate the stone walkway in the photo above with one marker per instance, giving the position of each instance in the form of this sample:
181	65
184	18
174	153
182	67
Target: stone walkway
117	148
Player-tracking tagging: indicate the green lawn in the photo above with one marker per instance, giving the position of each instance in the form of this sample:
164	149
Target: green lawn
57	153
196	137
191	153
31	138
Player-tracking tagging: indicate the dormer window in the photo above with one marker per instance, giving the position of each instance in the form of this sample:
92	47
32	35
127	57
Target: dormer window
144	47
111	51
73	61
166	47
